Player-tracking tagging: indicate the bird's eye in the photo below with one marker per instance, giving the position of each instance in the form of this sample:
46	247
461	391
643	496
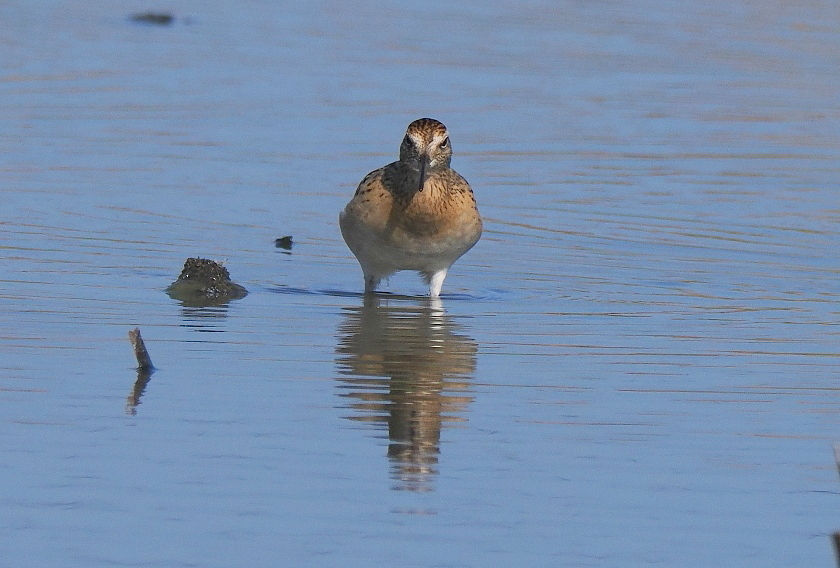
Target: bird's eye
445	142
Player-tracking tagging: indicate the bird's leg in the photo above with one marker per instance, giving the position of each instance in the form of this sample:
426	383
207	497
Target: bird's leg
435	280
371	282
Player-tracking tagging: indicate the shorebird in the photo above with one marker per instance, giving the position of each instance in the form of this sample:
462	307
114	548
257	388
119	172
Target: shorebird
413	214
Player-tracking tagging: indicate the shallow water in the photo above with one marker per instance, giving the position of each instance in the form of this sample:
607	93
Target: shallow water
634	366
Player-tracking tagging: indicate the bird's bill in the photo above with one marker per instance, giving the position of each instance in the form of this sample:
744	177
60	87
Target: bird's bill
424	163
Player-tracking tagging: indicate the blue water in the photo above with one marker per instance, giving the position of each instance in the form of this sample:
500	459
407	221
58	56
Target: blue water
635	366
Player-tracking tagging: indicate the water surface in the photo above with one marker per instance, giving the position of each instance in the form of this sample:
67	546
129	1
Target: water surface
634	366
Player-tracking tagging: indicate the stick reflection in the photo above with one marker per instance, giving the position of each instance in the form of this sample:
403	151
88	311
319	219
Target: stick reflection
144	375
403	366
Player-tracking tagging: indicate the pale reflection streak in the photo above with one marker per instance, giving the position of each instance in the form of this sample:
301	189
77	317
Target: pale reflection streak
401	366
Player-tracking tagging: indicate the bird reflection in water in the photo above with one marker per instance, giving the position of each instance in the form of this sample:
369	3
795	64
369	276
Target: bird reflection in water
405	366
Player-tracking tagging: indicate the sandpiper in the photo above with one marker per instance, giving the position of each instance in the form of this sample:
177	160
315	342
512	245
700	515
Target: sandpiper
413	214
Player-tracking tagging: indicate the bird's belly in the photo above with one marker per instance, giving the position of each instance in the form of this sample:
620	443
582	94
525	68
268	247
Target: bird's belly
411	248
407	252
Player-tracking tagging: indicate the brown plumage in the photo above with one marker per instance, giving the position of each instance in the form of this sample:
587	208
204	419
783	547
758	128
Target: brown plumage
413	214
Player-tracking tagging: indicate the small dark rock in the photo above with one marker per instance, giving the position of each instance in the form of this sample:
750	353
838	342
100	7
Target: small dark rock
155	18
205	283
284	243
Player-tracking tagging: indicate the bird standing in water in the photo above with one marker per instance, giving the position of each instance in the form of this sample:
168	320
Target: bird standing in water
413	214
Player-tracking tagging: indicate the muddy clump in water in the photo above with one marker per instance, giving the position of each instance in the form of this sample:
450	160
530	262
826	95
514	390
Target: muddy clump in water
205	283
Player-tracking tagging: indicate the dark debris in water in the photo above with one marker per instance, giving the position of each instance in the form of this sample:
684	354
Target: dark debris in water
205	283
153	18
284	243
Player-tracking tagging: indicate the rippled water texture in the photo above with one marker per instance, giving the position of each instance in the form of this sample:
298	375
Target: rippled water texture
635	366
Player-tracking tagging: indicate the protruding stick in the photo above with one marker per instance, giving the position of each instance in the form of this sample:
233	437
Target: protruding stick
143	360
